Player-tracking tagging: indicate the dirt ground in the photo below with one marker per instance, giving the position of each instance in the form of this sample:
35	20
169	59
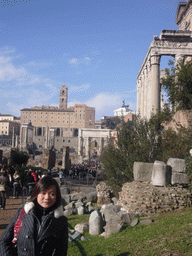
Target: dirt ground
7	214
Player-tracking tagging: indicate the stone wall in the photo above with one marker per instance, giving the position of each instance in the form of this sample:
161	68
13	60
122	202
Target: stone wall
145	198
181	118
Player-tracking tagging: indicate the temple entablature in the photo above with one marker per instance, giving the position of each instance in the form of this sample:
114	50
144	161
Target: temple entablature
175	43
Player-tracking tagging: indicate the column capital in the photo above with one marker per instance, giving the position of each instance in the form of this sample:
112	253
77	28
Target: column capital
155	59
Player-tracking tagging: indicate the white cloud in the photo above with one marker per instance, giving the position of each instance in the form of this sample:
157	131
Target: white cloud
22	88
104	104
37	64
76	62
77	89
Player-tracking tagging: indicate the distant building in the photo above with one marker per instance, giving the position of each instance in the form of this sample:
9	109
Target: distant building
9	130
123	111
57	126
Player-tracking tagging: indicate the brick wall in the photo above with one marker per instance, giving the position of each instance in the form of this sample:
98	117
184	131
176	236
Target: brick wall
145	198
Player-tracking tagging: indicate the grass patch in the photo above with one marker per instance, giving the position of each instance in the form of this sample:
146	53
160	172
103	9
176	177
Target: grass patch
169	234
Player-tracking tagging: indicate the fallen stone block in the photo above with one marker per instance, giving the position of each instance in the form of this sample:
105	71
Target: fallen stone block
95	223
83	238
112	229
80	210
82	227
145	222
179	178
142	171
177	165
134	222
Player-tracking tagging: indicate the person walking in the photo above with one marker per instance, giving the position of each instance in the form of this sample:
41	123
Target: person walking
40	227
4	187
16	184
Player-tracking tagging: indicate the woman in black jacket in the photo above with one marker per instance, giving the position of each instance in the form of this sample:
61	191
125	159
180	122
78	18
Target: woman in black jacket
40	228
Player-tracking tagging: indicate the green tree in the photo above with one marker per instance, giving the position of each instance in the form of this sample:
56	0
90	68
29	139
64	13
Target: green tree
143	140
19	157
137	140
178	85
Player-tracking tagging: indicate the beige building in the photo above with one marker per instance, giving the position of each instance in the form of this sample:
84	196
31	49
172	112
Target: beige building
9	130
79	116
57	126
9	127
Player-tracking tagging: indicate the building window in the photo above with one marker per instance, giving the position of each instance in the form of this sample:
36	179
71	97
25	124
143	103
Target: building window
58	132
39	131
69	141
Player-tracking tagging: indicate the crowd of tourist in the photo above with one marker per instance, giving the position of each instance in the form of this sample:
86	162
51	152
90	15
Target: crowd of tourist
14	181
82	171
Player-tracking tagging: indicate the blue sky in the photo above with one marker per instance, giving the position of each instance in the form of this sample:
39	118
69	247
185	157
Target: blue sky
95	46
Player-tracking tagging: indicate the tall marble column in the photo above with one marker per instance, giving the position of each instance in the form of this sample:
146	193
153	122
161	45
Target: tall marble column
142	95
145	90
155	83
139	95
87	147
79	142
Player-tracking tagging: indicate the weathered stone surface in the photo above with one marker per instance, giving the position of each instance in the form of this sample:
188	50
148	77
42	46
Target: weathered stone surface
77	196
142	171
67	198
112	228
177	165
83	238
68	212
78	204
70	205
159	174
88	190
126	218
95	223
134	222
82	228
146	199
109	213
92	197
179	178
104	194
114	200
145	222
64	190
80	210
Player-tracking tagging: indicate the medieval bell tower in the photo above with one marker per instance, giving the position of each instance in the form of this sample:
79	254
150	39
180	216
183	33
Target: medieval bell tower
63	96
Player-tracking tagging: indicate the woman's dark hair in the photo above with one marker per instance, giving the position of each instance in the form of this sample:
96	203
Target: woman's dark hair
46	183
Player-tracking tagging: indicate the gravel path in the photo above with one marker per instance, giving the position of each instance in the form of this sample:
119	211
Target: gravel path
7	214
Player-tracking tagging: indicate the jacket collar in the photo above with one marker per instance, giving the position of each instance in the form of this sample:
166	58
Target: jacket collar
58	212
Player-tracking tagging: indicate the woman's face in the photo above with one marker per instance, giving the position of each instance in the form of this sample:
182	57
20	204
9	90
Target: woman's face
47	198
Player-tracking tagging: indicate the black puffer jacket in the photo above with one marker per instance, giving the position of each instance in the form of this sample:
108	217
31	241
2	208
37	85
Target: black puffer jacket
49	236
